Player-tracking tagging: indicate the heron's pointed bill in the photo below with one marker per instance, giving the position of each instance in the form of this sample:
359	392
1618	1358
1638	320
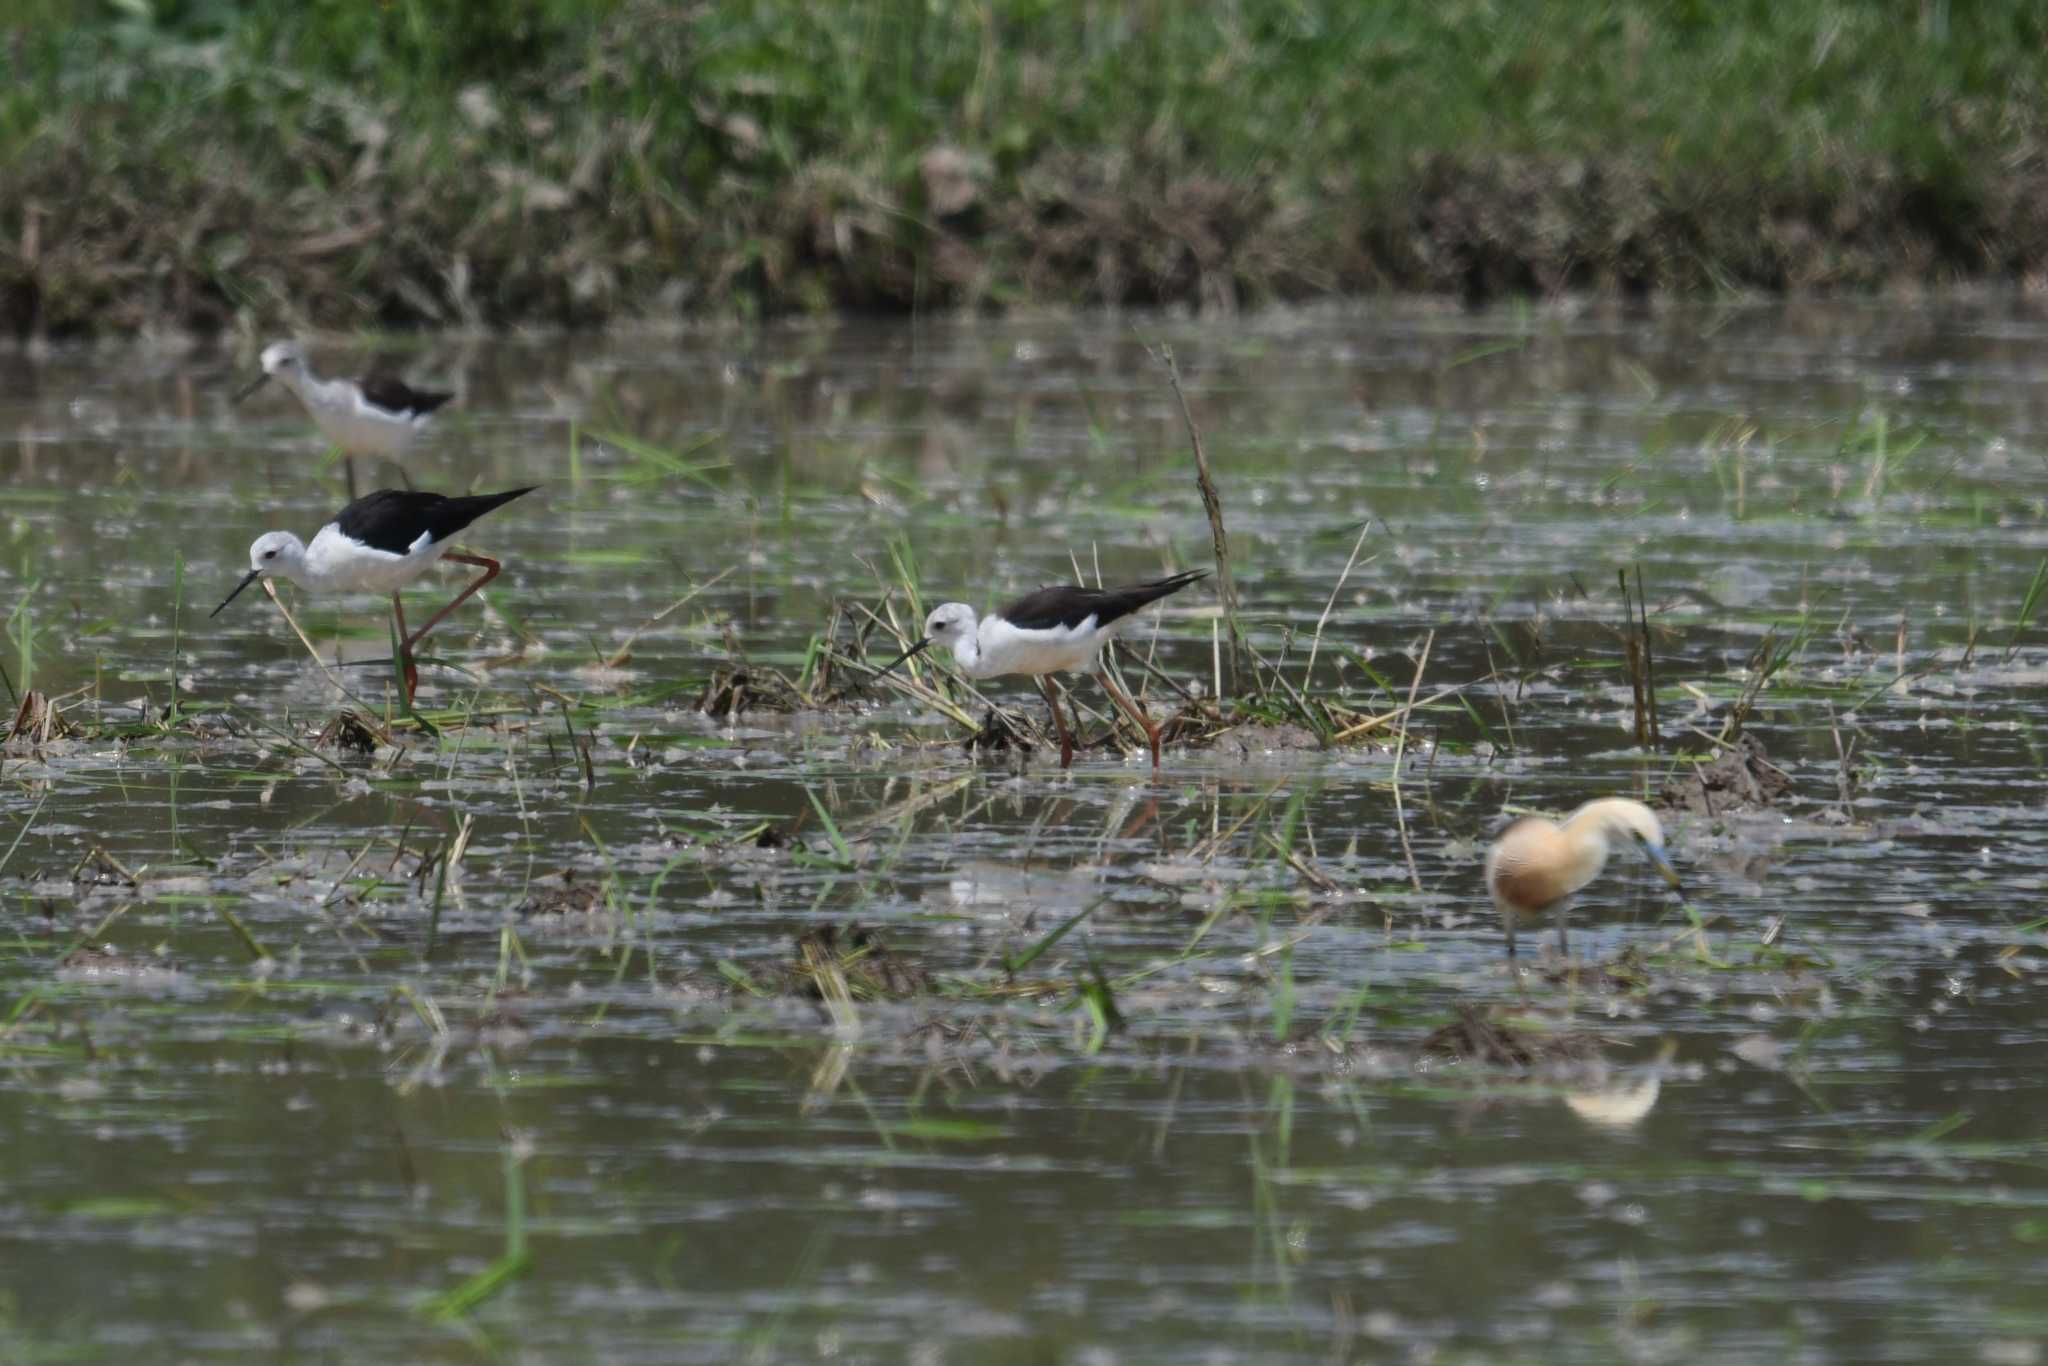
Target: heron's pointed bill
247	579
251	387
900	658
1662	864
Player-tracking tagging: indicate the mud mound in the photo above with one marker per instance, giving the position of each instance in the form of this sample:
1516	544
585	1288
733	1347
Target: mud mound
1740	778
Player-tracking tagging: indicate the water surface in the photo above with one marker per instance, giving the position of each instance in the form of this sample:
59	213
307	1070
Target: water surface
283	1078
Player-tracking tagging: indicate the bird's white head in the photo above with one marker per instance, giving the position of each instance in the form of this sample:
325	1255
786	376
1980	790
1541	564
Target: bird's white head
274	554
284	359
953	626
949	623
1622	821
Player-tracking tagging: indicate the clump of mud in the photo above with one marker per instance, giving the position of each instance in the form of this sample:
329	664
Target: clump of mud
348	733
572	898
869	969
1245	739
1000	735
105	963
1476	1037
37	721
1741	777
98	868
736	689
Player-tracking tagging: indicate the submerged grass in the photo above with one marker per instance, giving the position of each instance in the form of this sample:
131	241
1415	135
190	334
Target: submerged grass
571	161
510	1264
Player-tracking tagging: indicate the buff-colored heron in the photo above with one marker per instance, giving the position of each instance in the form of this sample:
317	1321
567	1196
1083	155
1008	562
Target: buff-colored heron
1537	865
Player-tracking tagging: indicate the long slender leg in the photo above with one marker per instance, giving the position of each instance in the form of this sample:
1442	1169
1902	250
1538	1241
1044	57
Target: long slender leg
490	568
1059	722
1507	919
412	672
1557	913
1132	710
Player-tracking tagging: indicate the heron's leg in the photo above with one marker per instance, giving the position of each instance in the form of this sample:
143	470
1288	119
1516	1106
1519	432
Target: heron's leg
1132	710
1507	919
1059	722
1557	913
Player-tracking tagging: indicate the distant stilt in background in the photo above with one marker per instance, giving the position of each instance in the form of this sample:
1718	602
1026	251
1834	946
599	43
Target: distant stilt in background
378	415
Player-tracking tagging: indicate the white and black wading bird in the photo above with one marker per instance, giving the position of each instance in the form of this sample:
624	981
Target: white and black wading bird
378	415
1046	632
378	544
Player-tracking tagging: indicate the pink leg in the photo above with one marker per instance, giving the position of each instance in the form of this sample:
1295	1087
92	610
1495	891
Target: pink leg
490	568
412	673
1059	722
1132	710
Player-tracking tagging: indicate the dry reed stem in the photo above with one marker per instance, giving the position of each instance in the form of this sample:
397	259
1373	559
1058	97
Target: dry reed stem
1372	723
1649	662
1632	648
1316	643
1507	710
1323	881
1845	777
1212	504
1400	752
1206	849
618	656
270	587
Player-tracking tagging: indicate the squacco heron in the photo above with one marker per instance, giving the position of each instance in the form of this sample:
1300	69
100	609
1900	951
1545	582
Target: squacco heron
1538	864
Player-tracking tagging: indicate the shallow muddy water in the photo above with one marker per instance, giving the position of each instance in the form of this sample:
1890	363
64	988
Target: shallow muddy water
506	1044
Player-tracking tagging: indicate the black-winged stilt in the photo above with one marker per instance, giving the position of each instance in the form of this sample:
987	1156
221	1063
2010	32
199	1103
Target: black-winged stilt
1045	632
378	544
378	415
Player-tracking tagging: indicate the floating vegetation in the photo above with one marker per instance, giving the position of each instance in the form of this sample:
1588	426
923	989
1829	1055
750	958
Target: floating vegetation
350	734
37	722
734	690
1485	1036
838	966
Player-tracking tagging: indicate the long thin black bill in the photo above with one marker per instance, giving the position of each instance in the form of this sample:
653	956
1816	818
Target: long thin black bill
247	579
253	386
900	658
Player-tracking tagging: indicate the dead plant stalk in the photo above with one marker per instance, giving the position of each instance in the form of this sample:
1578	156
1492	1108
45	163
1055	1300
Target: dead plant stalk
1400	752
1212	504
1316	643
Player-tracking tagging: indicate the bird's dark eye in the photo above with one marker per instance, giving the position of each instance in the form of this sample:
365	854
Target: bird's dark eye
270	554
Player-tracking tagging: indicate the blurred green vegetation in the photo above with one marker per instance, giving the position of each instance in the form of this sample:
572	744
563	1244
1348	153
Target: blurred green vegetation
396	162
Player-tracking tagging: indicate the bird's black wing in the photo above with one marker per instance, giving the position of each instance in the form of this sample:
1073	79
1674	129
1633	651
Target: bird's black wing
1065	606
393	519
394	395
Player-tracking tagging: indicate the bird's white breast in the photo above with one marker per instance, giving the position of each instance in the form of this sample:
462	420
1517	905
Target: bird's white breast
345	418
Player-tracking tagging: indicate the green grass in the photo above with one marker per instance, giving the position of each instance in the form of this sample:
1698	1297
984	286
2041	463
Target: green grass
198	161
